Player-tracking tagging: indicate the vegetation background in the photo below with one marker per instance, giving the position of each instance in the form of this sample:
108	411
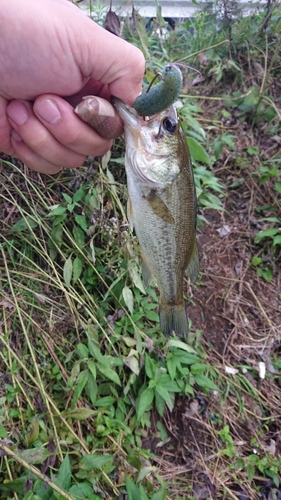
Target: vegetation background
94	402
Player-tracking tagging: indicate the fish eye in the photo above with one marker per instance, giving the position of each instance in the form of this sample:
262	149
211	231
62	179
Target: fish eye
170	124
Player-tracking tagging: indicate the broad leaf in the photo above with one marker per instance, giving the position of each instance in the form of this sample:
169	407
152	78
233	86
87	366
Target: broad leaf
197	152
95	461
67	271
144	402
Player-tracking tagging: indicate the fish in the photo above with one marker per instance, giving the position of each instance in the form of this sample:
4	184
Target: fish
162	207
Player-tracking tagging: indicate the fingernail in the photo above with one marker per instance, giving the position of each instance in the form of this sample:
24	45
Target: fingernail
17	112
16	136
48	110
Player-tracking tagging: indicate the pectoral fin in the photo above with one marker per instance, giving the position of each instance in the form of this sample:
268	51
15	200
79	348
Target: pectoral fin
158	206
193	267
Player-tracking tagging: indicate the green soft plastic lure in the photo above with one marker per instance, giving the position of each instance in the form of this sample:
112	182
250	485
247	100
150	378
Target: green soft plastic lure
162	95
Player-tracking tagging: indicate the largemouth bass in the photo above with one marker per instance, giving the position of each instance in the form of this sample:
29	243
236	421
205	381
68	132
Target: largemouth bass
162	207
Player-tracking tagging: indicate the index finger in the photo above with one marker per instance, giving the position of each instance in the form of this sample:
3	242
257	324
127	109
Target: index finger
113	61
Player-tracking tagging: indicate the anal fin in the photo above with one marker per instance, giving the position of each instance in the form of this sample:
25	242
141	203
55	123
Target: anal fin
146	272
193	267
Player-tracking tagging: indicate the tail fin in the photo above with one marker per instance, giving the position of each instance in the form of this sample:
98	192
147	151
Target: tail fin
173	319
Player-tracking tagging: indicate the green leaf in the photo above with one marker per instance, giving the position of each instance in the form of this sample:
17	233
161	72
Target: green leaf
77	269
218	148
172	365
81	221
197	152
67	198
128	298
150	366
106	401
57	235
256	260
95	461
277	240
92	388
232	101
67	271
133	363
35	455
92	367
82	350
159	495
70	207
79	236
152	315
278	186
144	402
135	276
164	394
109	373
64	475
33	432
16	486
265	274
3	432
163	431
205	382
134	461
250	101
266	233
132	490
59	219
180	345
24	223
82	380
250	472
79	413
160	404
144	472
79	195
82	490
57	210
94	349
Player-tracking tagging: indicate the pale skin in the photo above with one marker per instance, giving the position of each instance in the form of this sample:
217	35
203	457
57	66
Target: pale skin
51	56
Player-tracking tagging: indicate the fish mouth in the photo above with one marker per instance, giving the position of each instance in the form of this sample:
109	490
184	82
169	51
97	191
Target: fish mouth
127	113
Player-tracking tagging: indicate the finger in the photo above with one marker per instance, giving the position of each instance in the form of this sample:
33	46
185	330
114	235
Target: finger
38	138
58	117
120	64
5	129
101	116
30	158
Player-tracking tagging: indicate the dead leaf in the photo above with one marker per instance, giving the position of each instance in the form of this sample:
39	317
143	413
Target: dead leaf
224	230
112	23
7	304
239	268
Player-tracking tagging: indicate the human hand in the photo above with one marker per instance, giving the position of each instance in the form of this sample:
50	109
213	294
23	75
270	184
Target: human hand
51	56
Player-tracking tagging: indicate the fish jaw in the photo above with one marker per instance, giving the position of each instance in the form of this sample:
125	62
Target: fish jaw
128	114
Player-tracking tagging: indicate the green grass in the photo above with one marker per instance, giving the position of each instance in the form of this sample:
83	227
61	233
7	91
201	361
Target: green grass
86	375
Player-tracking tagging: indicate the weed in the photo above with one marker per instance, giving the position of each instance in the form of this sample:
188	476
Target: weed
94	401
